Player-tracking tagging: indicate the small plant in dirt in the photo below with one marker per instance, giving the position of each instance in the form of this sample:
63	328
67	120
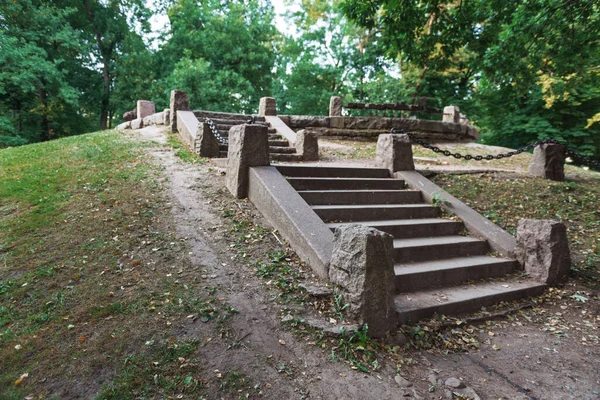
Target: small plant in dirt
359	350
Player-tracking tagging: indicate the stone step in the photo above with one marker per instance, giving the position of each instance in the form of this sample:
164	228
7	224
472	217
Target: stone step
282	150
411	277
411	228
412	307
279	142
228	122
436	248
222	153
285	157
201	114
348	213
305	183
316	197
331	172
270	131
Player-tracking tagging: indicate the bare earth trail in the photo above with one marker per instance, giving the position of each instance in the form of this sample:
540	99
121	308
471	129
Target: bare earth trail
517	360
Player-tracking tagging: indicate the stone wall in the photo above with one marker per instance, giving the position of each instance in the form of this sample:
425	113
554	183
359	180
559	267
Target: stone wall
369	128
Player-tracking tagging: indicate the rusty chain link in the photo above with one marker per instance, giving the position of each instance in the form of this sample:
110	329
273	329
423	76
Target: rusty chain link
570	152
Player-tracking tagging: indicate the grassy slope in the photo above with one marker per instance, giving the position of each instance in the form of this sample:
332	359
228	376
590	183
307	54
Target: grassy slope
83	298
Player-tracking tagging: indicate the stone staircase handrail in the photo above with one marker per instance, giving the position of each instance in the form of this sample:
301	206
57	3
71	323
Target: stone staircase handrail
282	128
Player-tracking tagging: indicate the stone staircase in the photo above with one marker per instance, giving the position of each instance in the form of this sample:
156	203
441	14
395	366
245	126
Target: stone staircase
279	147
438	268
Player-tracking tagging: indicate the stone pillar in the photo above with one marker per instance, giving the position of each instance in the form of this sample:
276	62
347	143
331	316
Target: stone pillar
248	147
394	152
335	106
179	102
543	250
145	108
307	145
267	106
451	114
362	265
548	161
206	144
166	117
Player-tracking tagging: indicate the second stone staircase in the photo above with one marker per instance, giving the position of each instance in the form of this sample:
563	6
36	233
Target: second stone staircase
438	267
279	147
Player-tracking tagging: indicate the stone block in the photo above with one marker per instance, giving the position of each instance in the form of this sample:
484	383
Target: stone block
451	114
148	120
394	152
206	144
337	122
543	249
145	108
130	115
267	106
137	123
362	266
248	147
548	162
167	117
179	102
335	106
124	125
307	145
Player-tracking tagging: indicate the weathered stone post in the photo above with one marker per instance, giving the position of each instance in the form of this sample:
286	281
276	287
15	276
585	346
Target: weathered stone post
248	147
206	144
451	114
307	145
543	250
145	108
179	102
362	265
394	152
335	106
548	161
267	106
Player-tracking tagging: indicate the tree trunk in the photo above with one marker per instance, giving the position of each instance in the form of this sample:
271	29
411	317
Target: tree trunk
106	95
45	131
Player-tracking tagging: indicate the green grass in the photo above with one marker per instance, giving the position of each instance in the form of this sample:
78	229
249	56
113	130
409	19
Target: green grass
183	151
81	289
506	200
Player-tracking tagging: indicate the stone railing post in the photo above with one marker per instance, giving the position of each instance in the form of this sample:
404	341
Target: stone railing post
179	102
548	162
307	145
362	266
206	144
145	108
543	250
335	106
394	152
451	114
248	147
267	106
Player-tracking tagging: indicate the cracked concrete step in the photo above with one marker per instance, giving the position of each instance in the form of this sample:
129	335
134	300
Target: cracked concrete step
348	213
411	228
285	157
412	307
411	277
307	183
317	197
331	172
435	248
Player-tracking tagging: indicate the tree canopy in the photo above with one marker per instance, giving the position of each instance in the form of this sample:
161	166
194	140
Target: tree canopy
521	71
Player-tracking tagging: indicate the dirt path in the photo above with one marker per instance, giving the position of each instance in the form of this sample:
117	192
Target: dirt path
518	359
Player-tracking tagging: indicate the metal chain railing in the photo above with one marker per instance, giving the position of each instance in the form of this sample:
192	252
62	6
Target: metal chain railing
569	152
215	131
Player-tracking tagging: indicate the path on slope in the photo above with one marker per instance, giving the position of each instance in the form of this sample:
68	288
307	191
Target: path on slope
519	358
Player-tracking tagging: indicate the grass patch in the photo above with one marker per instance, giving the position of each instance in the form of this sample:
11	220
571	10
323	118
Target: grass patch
507	199
183	151
88	273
